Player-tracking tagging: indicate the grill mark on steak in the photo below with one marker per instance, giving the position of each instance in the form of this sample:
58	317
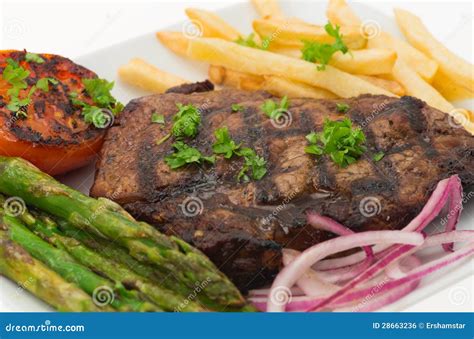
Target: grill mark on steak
243	226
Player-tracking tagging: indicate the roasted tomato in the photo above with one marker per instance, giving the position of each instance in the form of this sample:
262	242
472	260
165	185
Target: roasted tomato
39	120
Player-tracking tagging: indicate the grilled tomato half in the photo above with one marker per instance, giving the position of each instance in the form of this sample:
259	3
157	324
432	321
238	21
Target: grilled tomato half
53	112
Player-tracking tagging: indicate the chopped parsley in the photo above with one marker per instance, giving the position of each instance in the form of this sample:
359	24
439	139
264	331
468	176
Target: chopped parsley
158	118
252	162
104	102
186	121
236	108
16	76
33	57
249	41
339	140
185	154
342	107
43	83
378	156
224	143
274	110
254	165
321	53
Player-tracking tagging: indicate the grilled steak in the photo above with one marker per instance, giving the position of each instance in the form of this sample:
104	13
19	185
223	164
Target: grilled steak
243	226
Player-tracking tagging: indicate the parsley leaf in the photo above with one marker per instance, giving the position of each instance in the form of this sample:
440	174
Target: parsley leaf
43	83
15	75
274	110
236	108
339	140
185	154
186	121
253	162
322	52
342	107
157	118
33	57
224	144
378	156
249	41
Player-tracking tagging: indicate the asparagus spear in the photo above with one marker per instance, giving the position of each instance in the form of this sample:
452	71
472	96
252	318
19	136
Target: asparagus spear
32	275
61	262
170	255
164	298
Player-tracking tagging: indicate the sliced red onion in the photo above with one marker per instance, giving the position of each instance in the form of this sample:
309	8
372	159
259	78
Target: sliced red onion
309	282
291	273
432	208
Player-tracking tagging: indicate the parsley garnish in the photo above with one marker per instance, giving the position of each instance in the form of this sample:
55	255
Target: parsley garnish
158	118
236	108
249	41
224	144
339	140
186	121
43	83
228	147
322	52
33	57
252	162
274	110
342	107
185	154
378	156
15	75
99	91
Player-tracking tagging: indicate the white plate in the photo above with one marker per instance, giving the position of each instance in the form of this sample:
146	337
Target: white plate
106	62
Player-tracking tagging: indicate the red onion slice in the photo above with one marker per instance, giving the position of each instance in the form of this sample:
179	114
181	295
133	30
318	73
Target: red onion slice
291	273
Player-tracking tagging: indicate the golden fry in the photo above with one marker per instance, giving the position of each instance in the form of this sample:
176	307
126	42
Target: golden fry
268	8
212	25
281	86
339	13
389	85
139	73
175	41
452	68
290	32
258	62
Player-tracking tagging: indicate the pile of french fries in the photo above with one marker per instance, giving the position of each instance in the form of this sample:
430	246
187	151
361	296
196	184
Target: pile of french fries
377	63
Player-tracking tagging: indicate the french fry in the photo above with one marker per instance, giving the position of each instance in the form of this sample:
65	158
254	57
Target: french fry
419	62
212	25
268	8
175	41
452	68
290	32
389	85
226	77
415	86
275	85
364	61
141	74
258	62
449	89
339	13
281	86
